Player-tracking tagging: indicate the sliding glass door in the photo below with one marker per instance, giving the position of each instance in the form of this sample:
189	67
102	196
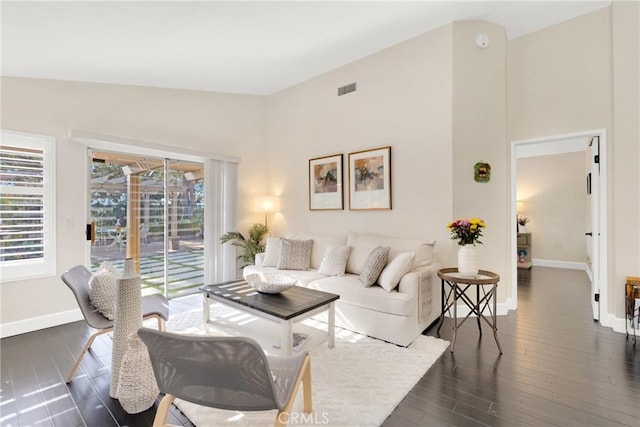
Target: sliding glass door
150	210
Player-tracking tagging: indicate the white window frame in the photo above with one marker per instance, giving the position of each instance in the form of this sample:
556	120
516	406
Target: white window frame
45	266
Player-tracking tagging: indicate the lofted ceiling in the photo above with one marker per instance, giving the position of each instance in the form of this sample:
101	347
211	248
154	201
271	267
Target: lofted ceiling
257	47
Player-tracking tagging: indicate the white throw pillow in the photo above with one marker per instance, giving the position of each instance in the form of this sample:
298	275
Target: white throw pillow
271	252
334	261
393	272
373	266
103	288
294	254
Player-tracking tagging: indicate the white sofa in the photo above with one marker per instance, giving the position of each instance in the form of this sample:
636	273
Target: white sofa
397	316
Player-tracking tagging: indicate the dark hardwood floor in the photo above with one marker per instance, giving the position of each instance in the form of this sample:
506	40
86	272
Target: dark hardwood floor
558	368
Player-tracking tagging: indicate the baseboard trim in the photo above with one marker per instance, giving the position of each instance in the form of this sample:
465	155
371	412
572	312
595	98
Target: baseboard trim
618	325
559	264
40	322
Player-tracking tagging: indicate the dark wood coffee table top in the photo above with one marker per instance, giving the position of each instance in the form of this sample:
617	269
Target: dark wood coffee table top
286	305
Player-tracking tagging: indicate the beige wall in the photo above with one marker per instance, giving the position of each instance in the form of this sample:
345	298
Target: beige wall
479	135
624	257
222	124
561	80
403	100
553	191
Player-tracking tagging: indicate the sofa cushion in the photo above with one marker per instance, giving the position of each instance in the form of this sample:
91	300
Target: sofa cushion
363	243
320	243
271	252
395	269
294	254
335	260
376	261
351	291
302	276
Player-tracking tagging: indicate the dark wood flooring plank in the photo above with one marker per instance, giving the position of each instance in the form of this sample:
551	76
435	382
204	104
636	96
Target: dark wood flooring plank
558	368
95	413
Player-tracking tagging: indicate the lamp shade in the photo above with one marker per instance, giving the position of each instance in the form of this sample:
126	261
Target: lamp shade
519	206
267	204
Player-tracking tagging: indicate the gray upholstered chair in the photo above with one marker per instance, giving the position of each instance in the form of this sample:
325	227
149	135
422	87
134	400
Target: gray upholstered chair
226	373
77	279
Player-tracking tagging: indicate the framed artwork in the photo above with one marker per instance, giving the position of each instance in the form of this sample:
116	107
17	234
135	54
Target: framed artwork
325	183
482	172
370	179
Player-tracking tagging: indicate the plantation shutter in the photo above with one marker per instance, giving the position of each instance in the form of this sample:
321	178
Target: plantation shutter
25	207
22	214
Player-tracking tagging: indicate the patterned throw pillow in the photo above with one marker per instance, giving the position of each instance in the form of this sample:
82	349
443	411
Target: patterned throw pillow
295	254
335	260
103	287
373	266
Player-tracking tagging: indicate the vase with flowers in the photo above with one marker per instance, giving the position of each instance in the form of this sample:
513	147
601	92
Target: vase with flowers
467	231
522	223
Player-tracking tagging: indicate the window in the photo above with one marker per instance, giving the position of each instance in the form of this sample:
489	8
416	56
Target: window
27	206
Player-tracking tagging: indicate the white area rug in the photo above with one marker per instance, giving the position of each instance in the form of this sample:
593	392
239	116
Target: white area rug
357	383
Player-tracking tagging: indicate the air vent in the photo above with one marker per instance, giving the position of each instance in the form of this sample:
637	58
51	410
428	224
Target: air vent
351	87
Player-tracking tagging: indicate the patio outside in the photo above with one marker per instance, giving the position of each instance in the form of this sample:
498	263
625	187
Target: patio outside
185	265
139	203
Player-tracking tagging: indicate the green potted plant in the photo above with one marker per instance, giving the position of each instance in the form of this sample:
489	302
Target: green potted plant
255	244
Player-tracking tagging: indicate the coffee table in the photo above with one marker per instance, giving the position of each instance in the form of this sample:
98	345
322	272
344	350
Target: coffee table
293	305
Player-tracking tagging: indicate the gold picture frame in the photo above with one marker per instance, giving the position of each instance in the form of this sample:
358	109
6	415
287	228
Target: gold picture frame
370	179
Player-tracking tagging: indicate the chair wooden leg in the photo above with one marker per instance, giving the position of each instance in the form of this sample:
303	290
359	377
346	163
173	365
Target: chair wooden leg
305	377
161	323
84	351
163	410
306	388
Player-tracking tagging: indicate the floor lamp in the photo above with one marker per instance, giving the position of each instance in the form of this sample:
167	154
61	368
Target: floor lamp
267	205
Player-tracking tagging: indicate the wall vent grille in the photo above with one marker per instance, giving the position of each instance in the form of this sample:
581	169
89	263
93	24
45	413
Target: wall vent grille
351	87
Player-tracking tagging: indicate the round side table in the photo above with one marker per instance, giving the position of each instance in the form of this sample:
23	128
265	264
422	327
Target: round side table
458	286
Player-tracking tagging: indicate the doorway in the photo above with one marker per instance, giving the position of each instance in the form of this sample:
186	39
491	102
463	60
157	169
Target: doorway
593	145
152	211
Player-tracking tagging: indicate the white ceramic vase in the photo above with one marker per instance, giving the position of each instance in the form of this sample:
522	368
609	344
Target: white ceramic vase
468	260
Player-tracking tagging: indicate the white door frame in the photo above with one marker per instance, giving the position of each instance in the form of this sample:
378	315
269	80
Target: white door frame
549	145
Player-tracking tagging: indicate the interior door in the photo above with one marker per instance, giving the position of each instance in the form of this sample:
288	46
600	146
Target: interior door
593	236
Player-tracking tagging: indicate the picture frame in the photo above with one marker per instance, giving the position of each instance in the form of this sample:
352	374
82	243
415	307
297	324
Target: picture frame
325	183
370	179
482	172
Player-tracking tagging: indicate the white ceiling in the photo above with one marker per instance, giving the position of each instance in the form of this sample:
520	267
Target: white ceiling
255	47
